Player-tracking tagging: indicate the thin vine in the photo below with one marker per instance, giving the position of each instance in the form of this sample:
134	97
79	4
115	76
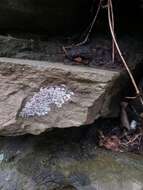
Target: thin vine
110	10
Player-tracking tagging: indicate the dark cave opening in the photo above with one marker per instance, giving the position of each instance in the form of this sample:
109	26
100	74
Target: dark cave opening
128	17
72	18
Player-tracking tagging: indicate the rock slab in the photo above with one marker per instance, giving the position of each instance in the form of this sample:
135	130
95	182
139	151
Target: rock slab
83	95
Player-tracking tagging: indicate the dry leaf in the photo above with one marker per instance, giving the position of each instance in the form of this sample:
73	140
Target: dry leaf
111	143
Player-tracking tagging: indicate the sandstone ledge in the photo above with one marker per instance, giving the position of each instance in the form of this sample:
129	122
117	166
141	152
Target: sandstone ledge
21	79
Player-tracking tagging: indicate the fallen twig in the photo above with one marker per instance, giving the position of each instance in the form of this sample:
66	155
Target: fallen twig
132	140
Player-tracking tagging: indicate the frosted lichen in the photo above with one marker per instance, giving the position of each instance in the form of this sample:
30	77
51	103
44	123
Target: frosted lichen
40	104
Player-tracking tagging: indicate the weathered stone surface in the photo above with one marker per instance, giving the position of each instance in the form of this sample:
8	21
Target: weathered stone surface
65	160
52	16
21	79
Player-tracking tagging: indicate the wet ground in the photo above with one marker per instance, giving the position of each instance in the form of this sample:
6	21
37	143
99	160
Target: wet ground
66	159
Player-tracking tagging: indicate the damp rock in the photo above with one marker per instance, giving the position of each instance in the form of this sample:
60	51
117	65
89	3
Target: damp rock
36	96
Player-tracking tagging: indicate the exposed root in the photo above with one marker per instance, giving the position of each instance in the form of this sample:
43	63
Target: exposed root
120	53
91	26
90	29
114	42
112	22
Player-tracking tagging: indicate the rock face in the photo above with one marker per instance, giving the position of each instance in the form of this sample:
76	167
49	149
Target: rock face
36	95
56	162
52	16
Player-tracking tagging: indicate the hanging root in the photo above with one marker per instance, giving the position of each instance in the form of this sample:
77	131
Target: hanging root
91	26
110	19
90	29
109	6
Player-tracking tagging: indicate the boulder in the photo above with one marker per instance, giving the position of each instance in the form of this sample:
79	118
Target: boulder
36	96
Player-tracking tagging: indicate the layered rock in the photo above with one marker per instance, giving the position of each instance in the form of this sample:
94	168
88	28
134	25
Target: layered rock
36	96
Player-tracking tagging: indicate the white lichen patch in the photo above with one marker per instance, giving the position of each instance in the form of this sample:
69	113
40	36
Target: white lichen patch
40	104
